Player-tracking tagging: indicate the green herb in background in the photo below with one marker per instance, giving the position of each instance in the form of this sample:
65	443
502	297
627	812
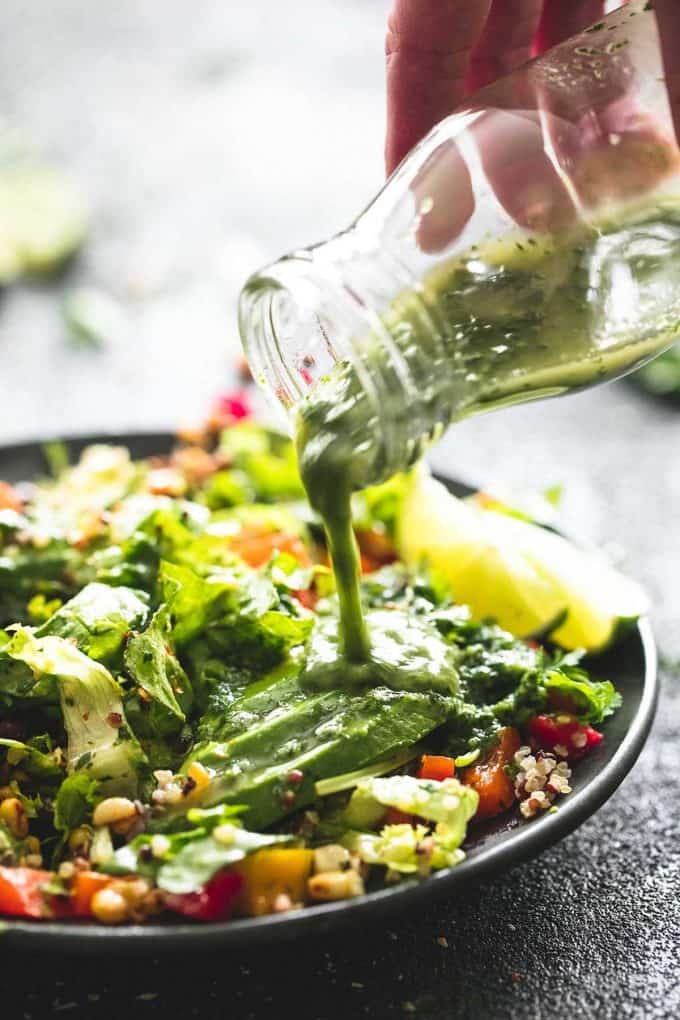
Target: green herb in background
92	317
662	375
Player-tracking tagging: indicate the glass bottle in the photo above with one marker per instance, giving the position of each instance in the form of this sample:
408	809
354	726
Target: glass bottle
528	246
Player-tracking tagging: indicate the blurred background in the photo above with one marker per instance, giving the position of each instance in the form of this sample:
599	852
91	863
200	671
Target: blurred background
202	140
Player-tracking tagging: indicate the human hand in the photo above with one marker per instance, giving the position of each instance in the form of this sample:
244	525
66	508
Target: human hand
439	51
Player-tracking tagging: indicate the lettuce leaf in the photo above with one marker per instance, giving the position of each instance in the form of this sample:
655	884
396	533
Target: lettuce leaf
264	460
151	661
98	618
39	765
195	601
19	684
53	568
103	476
74	801
236	612
100	743
379	505
573	690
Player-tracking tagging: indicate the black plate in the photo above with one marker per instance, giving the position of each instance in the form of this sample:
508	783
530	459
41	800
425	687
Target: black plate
492	847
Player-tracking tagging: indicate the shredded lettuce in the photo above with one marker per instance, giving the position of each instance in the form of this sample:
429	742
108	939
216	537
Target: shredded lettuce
103	476
403	848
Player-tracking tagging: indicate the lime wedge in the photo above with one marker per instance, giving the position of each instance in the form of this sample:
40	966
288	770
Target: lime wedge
42	222
512	570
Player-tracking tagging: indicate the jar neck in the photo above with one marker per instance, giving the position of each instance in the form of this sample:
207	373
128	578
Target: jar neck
338	304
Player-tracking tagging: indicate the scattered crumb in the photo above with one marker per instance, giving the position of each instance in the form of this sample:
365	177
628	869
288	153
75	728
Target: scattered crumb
443	941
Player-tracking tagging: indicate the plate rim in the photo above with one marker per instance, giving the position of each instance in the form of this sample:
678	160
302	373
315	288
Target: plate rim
527	840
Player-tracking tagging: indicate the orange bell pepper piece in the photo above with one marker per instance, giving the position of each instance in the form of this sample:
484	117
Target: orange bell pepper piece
490	779
85	885
436	766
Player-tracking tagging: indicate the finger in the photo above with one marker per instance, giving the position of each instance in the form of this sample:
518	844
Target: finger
521	172
668	19
428	47
444	197
563	18
505	42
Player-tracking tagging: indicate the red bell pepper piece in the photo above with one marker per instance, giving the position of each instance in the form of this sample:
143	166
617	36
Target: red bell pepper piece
215	902
21	892
393	816
564	732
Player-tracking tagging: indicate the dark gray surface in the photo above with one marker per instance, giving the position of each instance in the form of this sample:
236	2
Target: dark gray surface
208	137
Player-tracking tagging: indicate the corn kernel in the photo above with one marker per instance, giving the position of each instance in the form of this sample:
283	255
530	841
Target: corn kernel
109	907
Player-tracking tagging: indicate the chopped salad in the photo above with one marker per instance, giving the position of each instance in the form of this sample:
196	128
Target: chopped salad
161	752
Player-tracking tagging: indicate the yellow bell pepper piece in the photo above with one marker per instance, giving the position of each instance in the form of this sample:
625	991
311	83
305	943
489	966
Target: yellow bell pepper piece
270	876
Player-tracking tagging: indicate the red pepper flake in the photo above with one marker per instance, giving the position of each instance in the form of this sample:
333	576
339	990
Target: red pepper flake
288	799
114	719
295	777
